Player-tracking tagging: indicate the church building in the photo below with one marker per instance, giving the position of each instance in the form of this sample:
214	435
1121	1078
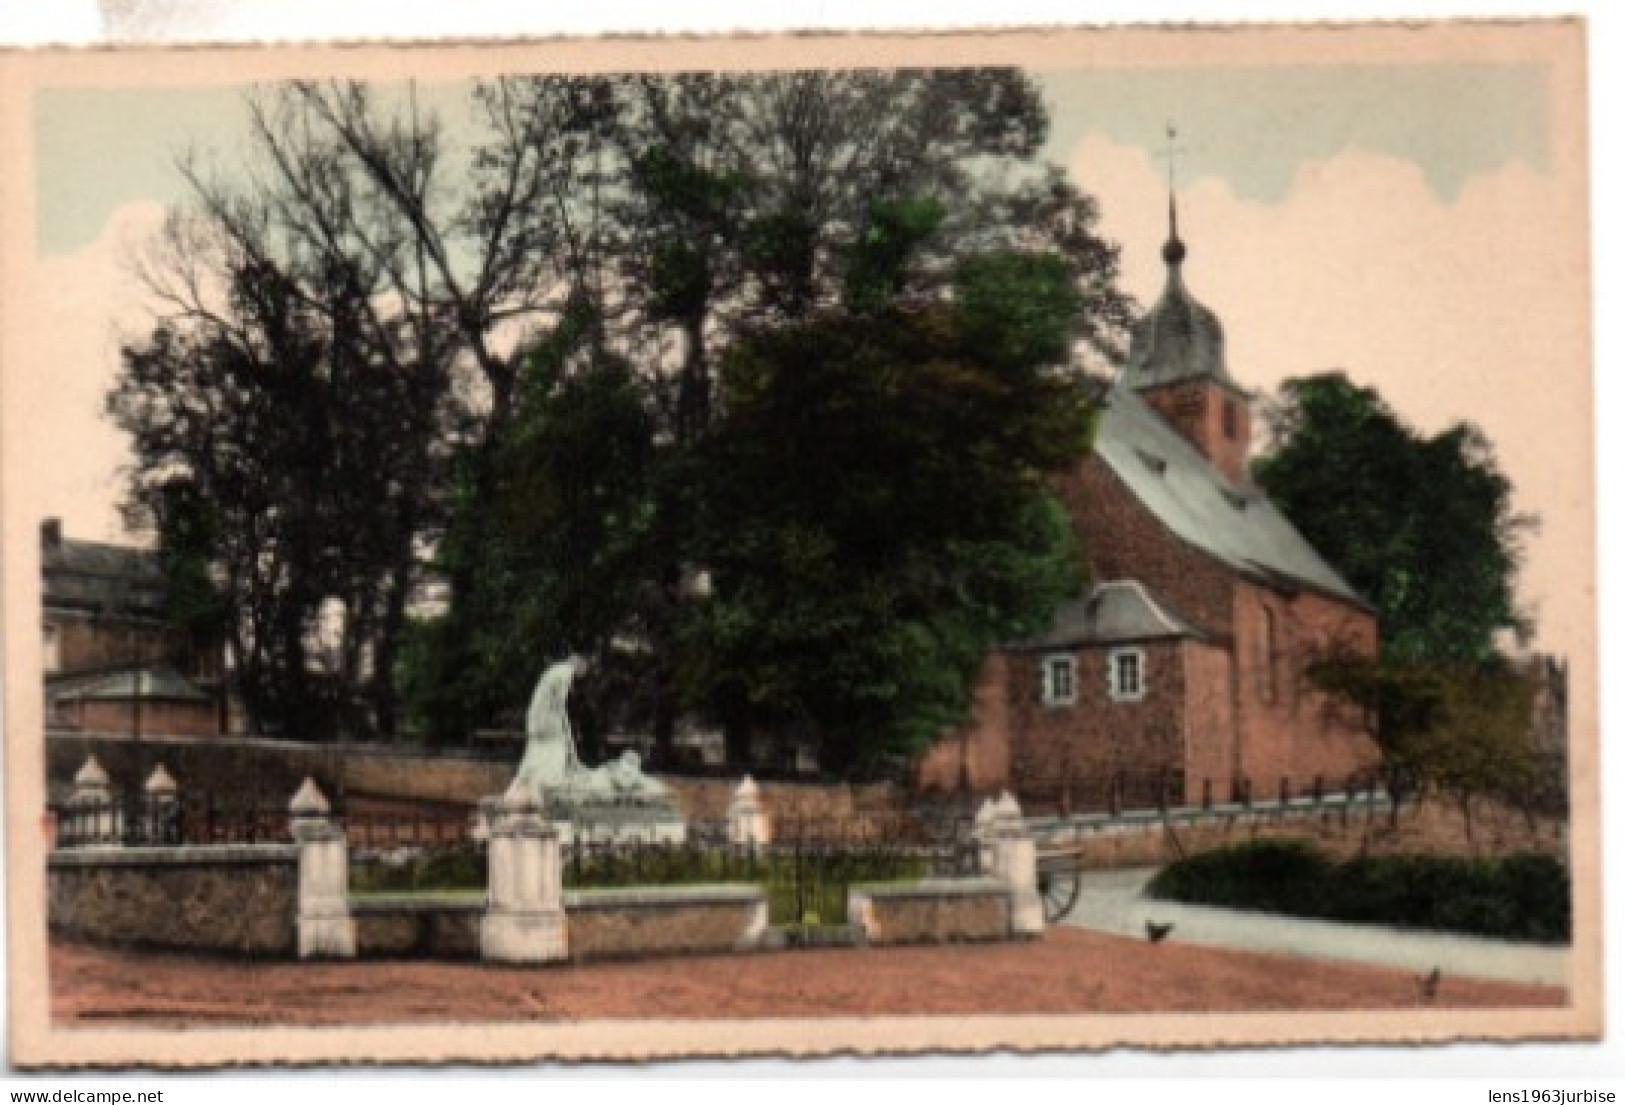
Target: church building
1180	676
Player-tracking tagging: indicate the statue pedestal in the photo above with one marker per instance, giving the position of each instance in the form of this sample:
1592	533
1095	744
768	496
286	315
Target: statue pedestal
654	822
524	918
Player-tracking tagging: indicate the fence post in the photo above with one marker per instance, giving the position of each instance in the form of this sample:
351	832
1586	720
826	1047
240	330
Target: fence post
748	824
162	808
92	814
325	926
1014	861
524	914
1207	793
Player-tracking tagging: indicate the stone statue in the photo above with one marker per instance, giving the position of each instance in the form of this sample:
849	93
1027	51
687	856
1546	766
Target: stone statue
551	766
550	747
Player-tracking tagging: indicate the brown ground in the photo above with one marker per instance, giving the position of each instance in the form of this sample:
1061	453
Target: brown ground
1068	971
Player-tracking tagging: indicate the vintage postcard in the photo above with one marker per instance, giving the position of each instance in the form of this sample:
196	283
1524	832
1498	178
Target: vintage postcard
635	548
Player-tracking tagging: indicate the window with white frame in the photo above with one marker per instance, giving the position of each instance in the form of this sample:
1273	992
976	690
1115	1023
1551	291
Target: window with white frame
1125	674
1059	676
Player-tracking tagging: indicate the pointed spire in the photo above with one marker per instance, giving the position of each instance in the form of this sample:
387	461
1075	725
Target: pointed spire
1173	250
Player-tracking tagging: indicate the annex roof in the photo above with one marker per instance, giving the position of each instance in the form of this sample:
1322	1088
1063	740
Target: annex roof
1116	612
155	683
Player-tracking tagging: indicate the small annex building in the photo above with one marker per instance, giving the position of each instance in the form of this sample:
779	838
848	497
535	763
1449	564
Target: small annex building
1181	674
111	663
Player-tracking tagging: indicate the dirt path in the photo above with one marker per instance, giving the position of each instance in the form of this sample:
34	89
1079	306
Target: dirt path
1068	971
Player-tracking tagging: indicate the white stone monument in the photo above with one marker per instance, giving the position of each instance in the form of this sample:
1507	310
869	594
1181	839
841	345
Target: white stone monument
612	801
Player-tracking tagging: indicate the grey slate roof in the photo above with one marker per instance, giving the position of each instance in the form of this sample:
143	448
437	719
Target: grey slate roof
161	682
1237	525
1177	339
1116	612
117	580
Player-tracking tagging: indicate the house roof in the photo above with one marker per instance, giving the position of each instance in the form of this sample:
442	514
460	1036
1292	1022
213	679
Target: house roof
1235	524
117	580
1116	612
161	682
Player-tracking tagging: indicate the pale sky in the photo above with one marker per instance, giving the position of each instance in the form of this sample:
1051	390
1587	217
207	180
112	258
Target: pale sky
1401	222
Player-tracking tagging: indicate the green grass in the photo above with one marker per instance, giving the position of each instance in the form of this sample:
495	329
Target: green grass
821	900
1518	897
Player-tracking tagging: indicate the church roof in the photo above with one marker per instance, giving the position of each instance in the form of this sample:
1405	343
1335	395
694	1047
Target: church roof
1116	612
1178	338
1237	525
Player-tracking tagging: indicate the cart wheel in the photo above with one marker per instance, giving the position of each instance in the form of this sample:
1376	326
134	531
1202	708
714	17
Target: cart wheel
1059	890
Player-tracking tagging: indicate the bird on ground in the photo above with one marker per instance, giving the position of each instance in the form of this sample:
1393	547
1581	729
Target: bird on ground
1427	986
1156	932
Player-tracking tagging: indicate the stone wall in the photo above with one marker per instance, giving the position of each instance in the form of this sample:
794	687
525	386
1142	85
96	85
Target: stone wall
387	928
707	799
1337	829
932	911
640	921
238	898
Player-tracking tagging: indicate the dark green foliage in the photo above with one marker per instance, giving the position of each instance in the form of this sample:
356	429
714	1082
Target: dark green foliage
1519	897
875	518
437	871
1459	729
1421	526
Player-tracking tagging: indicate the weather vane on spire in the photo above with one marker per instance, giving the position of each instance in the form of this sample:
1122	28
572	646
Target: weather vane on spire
1173	252
1171	152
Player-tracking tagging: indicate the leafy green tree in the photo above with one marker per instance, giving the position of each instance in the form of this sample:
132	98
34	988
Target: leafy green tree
875	513
1459	729
700	211
1422	526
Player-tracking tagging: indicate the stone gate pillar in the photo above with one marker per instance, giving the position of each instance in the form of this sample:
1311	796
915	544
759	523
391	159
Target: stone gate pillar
1011	855
524	914
325	926
747	821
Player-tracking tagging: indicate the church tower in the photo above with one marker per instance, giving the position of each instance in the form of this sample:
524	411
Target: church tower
1176	364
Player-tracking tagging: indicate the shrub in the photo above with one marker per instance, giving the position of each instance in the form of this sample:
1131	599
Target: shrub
1525	896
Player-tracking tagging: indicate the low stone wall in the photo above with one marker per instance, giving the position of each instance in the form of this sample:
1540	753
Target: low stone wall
674	920
933	911
233	898
225	765
419	928
1338	828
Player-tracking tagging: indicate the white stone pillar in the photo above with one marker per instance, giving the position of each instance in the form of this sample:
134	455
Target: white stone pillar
160	810
748	823
1011	856
326	928
93	817
524	914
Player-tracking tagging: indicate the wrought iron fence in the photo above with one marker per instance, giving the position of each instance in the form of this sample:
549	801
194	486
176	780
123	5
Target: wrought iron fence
157	821
1115	793
806	868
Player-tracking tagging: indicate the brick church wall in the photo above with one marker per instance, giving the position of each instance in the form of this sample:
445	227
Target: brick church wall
1123	540
1209	729
1289	729
1096	738
978	755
